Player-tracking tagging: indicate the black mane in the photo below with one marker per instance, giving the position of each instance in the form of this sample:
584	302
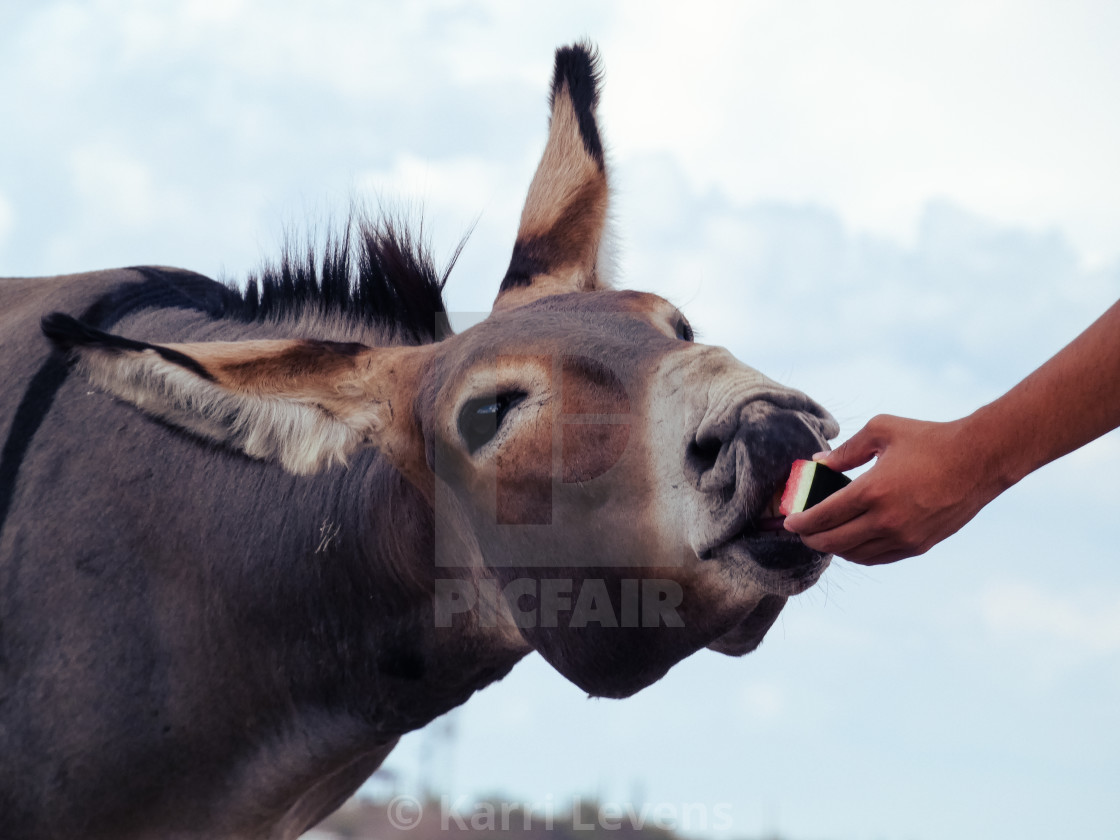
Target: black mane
377	272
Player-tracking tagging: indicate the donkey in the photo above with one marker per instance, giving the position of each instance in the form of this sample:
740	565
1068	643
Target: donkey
249	538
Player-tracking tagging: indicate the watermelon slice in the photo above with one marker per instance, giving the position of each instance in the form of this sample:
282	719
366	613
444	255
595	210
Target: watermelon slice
809	483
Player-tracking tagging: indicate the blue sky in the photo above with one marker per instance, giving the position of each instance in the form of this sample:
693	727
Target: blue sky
898	207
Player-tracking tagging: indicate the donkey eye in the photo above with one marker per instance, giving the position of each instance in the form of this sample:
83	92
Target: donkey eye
481	418
684	330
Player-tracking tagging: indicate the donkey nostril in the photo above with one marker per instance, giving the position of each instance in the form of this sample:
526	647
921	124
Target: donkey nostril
707	473
702	454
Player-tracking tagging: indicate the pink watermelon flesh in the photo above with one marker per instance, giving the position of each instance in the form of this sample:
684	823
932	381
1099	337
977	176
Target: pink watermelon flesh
797	487
808	484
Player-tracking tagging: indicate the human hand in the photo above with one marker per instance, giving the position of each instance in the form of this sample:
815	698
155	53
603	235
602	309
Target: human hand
929	479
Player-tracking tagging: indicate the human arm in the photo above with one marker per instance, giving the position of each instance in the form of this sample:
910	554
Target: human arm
930	479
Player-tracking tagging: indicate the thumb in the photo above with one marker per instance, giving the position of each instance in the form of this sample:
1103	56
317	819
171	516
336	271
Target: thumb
858	449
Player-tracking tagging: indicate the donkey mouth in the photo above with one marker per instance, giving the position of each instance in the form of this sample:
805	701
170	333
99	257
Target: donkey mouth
759	546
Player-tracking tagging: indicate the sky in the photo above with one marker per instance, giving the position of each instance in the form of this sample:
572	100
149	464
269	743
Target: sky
896	207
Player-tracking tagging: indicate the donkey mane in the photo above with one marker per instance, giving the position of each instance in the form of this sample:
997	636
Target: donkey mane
375	272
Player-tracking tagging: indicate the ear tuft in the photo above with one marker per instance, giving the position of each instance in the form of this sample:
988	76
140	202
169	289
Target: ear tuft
564	221
68	334
579	68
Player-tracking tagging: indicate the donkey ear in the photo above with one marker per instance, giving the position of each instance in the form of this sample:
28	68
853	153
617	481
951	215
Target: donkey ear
562	225
305	404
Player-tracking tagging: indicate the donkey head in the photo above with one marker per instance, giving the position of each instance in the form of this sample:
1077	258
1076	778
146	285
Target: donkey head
606	486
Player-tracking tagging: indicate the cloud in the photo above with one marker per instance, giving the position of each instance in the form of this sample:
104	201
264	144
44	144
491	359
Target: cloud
873	108
1085	622
954	317
761	702
115	188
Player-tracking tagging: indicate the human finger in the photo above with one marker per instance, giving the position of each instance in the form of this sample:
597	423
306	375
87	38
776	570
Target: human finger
879	553
865	541
860	447
842	506
843	538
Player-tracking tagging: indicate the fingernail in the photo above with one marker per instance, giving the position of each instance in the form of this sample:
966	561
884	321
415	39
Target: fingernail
820	456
